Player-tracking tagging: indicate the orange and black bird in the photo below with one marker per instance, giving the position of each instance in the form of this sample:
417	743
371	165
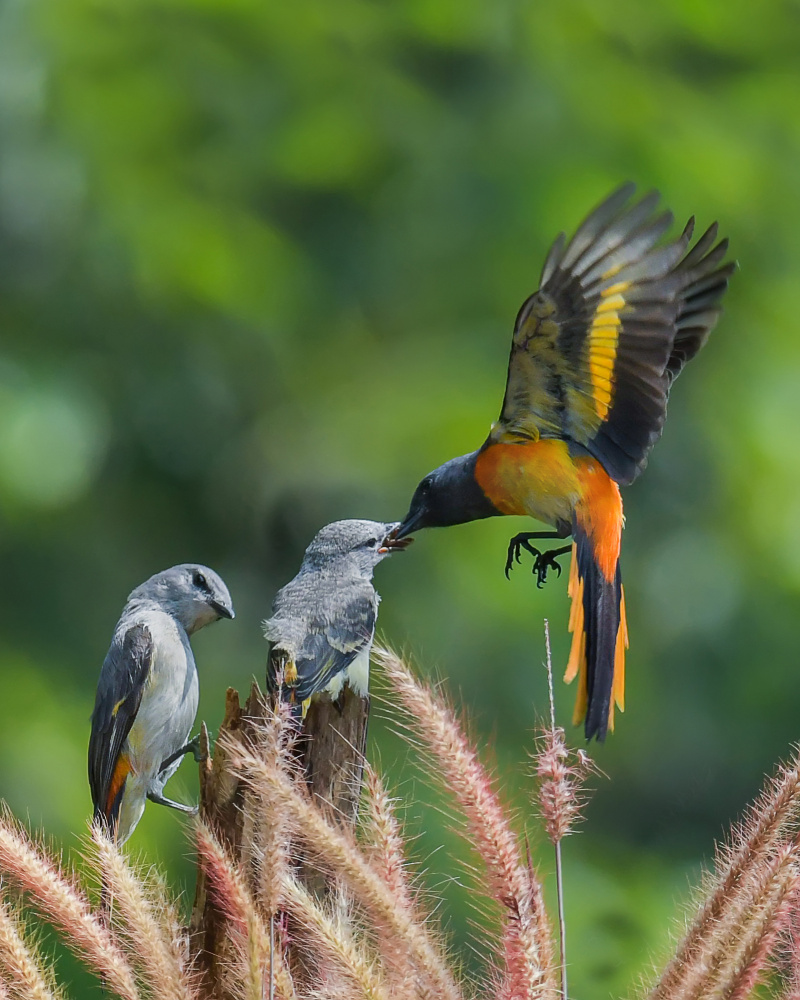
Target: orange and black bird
618	313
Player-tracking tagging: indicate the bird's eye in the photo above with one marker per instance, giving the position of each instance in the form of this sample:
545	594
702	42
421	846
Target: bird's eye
200	581
425	485
371	542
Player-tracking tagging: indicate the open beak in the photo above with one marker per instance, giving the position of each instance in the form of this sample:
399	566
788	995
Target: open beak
222	610
393	542
412	522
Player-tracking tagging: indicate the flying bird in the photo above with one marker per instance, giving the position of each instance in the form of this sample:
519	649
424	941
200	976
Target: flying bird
595	350
148	692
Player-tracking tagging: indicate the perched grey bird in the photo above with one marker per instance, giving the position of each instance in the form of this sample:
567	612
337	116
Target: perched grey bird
323	621
148	692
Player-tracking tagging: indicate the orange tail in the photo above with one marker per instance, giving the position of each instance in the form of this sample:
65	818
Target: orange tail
597	616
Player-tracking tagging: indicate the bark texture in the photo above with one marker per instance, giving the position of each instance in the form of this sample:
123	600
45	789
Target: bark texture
331	750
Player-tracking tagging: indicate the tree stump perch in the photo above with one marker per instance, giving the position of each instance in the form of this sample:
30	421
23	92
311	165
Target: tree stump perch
331	752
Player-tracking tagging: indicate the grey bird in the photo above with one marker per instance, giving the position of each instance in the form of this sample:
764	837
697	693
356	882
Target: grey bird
323	621
148	692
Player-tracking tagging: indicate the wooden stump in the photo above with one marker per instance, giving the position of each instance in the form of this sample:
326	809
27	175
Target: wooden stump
223	805
331	752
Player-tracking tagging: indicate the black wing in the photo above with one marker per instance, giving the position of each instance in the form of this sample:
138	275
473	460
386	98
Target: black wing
328	648
618	314
119	695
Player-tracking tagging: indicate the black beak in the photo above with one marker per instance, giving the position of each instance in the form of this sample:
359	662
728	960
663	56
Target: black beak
222	610
412	522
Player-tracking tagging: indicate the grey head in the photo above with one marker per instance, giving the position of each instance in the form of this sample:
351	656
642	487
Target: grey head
193	594
352	547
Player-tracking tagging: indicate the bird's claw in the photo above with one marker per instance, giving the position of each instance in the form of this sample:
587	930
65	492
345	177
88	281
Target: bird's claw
515	547
193	747
542	563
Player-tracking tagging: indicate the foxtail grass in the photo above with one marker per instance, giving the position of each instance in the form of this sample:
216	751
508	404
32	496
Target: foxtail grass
370	935
526	956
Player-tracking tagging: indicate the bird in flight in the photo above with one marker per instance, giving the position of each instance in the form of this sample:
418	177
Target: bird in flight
619	312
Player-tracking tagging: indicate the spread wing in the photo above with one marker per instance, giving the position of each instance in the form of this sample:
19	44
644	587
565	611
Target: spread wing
327	648
617	315
119	695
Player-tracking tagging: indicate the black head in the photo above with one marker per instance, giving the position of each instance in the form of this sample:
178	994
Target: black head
448	495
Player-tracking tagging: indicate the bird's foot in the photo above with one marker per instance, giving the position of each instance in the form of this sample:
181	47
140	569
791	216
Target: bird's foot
170	804
515	547
545	561
192	747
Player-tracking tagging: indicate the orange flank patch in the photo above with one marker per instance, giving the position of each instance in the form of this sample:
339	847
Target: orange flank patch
599	513
537	478
118	778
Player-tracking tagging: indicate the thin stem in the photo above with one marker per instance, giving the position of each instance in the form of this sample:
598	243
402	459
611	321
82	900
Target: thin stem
562	924
550	674
272	956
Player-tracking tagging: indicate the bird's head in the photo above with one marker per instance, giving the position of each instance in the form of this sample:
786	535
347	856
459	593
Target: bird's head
358	544
448	495
193	594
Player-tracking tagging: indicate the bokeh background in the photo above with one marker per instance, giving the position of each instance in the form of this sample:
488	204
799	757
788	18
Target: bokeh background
259	264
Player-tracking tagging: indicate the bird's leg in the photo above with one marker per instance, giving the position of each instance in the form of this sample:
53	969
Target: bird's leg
523	541
547	560
160	800
192	747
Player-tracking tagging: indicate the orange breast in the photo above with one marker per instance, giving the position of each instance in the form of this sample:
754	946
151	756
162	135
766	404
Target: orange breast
537	478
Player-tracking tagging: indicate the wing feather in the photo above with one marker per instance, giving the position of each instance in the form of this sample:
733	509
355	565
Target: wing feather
119	695
618	314
329	644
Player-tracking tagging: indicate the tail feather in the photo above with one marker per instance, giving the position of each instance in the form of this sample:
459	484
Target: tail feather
599	638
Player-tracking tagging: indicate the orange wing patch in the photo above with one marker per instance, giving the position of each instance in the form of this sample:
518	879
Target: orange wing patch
119	777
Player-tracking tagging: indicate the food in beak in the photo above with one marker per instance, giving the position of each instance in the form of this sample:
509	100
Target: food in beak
394	544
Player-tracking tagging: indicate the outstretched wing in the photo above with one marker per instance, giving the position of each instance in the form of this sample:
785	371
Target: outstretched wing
617	315
119	695
327	648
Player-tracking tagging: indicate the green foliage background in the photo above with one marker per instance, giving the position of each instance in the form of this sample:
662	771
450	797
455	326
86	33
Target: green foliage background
259	263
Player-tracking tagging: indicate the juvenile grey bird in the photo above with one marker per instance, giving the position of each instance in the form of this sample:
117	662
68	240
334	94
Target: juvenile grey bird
323	621
148	692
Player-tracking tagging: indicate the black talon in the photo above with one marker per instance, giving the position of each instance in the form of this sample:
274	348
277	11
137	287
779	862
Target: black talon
515	547
192	747
542	561
199	756
546	561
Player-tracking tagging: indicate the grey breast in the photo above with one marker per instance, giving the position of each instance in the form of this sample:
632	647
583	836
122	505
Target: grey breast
169	703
